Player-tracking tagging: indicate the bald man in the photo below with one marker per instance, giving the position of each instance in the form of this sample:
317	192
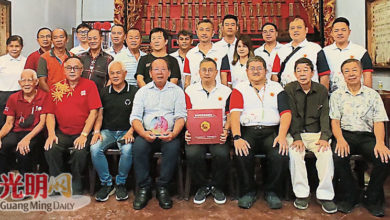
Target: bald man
21	134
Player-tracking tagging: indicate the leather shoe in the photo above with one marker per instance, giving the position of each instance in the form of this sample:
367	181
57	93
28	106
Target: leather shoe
141	198
164	200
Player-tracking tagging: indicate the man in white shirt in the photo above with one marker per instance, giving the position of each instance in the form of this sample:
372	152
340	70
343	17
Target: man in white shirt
132	55
270	48
299	47
81	34
204	49
342	49
184	41
118	36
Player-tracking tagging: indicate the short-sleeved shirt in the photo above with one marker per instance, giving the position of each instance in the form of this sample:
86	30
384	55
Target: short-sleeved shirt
21	109
310	112
10	71
226	48
131	63
253	111
199	98
195	56
180	61
117	107
308	50
357	112
268	57
78	50
51	66
96	69
236	73
334	57
71	107
145	62
33	59
151	102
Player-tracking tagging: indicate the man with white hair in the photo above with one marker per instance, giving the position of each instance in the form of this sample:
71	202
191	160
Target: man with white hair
21	133
112	125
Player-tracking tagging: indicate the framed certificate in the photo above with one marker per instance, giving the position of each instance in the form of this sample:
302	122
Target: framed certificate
205	125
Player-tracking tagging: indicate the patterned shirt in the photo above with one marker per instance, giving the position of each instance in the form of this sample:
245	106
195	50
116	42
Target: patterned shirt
357	112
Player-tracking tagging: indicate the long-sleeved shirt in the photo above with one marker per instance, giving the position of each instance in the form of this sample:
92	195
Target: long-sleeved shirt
310	112
151	102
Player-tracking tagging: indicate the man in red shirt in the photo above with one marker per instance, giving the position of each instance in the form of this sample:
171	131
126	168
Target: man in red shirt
21	133
73	106
44	41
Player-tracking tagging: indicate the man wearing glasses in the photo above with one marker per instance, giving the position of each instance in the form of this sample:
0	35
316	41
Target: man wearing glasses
21	134
44	41
260	119
81	34
50	69
73	106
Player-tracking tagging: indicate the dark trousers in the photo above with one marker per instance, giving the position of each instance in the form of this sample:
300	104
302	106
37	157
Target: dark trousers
142	153
261	141
196	160
63	154
347	188
4	95
8	152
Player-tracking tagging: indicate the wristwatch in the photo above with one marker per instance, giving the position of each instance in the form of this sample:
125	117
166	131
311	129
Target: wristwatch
85	134
236	137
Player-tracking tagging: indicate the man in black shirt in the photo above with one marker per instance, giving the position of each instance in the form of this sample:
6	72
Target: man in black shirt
112	125
158	42
310	129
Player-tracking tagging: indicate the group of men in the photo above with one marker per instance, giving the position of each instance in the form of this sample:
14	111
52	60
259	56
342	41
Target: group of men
94	99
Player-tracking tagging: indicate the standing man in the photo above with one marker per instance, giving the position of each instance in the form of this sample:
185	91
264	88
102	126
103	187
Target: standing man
162	100
158	42
342	49
310	129
208	94
21	134
260	119
95	60
132	55
299	47
229	33
184	41
112	125
270	48
71	113
50	69
81	34
44	41
358	117
118	36
204	49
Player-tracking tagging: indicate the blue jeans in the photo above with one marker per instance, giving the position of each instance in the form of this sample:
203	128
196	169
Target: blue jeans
100	162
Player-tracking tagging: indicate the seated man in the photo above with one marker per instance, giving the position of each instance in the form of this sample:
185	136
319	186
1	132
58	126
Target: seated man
162	102
259	109
73	106
358	117
113	119
310	129
21	133
208	94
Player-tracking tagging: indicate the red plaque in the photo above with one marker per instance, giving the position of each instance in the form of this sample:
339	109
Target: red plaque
205	126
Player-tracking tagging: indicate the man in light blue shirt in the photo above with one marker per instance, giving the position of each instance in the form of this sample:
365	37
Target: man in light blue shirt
162	102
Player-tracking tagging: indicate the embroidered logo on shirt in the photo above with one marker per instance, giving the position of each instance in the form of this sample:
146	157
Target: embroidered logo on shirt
60	89
305	55
272	94
352	56
215	59
82	93
220	98
127	102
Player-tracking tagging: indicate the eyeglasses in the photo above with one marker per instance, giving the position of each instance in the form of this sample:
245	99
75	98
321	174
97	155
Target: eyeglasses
204	70
24	81
83	32
253	69
74	68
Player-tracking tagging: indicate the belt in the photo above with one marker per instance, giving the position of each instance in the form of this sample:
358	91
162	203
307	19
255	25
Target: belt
260	127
